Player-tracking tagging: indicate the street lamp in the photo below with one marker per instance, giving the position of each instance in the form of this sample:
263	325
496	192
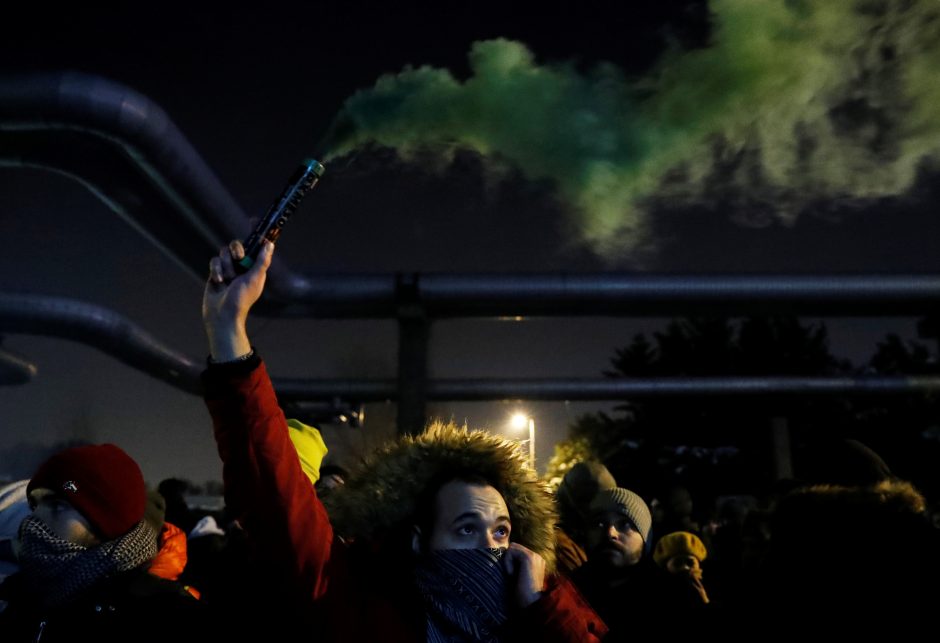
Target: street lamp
520	421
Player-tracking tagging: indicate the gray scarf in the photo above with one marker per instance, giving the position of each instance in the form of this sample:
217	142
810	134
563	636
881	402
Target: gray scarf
464	593
59	571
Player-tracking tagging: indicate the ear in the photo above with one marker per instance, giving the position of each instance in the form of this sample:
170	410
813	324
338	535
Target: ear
416	539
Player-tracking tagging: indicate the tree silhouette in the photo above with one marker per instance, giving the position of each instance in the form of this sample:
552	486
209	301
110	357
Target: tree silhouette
723	440
722	444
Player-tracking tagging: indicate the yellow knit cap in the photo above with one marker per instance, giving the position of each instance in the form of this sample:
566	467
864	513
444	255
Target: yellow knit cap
311	449
678	543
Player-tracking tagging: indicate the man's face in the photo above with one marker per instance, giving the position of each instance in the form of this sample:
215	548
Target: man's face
62	518
614	541
469	516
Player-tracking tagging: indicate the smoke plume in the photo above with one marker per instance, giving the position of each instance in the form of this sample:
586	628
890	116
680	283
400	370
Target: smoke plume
795	102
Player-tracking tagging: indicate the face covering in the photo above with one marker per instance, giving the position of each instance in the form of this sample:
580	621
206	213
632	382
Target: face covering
60	571
464	592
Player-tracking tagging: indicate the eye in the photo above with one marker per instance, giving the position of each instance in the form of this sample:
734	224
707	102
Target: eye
52	505
466	530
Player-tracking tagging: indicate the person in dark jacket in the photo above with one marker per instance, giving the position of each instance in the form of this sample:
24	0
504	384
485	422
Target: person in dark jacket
84	554
851	548
852	557
619	579
574	495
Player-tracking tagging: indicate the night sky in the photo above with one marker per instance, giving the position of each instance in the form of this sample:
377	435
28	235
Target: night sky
253	90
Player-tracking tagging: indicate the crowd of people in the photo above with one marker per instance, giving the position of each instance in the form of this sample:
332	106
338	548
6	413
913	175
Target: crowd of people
446	536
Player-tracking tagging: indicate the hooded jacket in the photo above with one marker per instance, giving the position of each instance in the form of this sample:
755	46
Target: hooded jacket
852	557
364	591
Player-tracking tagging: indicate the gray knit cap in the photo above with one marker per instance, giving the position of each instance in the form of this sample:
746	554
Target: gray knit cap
627	503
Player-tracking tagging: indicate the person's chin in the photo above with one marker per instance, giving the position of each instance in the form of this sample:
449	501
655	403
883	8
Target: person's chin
611	556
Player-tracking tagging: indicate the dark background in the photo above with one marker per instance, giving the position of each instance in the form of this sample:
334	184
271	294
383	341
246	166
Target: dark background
252	90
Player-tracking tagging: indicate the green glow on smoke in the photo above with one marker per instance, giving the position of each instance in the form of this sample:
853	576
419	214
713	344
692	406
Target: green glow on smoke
794	101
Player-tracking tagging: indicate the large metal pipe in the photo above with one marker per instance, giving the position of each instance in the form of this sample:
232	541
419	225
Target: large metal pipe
621	295
142	166
117	336
104	329
125	149
649	294
588	389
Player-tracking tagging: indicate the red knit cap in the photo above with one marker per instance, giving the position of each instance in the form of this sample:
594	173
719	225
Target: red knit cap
102	482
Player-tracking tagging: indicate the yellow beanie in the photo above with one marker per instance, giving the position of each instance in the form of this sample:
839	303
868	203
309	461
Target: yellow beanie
678	543
310	447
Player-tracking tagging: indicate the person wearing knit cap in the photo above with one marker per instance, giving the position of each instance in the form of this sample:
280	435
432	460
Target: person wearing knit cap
89	494
617	579
84	553
622	526
579	486
574	495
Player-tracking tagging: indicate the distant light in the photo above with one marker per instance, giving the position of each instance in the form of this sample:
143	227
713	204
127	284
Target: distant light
519	421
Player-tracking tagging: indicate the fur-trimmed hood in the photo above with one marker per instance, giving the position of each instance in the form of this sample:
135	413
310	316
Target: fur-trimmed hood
807	517
865	551
887	496
383	494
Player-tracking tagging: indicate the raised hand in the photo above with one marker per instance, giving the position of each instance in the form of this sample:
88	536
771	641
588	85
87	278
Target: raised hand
229	296
528	570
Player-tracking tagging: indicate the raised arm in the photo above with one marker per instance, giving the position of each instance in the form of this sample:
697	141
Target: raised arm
264	482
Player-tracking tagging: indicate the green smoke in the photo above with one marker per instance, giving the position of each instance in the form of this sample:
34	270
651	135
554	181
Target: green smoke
795	102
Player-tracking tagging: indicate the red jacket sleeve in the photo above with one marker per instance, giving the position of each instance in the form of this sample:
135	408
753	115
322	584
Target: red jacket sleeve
264	483
560	616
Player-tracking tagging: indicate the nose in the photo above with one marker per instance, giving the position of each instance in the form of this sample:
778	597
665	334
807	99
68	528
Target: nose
612	532
491	541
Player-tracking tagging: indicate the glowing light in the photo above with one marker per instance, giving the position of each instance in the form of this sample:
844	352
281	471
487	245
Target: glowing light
519	421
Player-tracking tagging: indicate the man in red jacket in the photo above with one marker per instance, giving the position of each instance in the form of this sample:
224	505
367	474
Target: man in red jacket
451	534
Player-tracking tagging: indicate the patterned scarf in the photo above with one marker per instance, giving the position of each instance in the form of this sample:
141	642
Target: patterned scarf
59	571
464	591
